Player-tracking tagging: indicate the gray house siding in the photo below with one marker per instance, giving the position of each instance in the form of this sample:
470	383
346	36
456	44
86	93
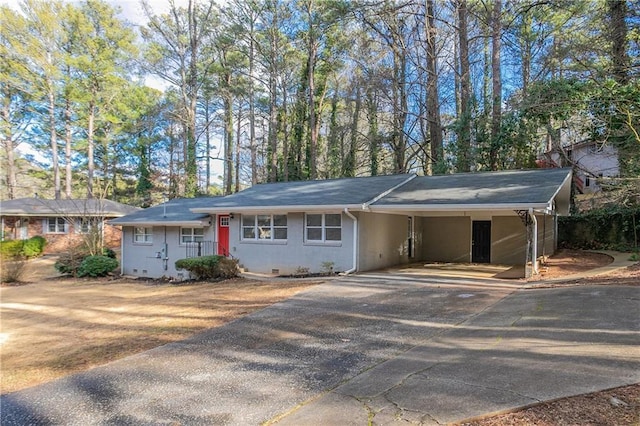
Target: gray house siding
446	239
443	209
383	240
508	240
287	257
142	259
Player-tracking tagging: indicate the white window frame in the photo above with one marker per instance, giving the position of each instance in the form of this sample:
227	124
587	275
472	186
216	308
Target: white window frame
193	236
142	235
261	230
322	227
90	223
58	221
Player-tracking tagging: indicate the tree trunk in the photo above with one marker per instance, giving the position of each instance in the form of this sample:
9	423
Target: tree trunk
334	151
55	162
496	80
67	148
350	164
433	107
228	135
207	134
372	117
273	128
399	110
252	112
238	136
8	146
617	10
285	132
191	165
313	136
464	133
90	147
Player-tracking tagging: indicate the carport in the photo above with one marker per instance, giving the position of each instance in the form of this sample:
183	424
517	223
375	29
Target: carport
458	270
504	218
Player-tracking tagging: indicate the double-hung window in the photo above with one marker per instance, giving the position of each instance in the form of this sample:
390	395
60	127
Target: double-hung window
143	235
84	225
264	227
56	225
323	227
191	235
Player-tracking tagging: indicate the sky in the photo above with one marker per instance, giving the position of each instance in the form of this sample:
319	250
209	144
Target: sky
131	9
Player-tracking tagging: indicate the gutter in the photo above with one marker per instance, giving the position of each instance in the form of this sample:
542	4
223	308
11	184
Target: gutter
456	207
188	223
287	208
355	242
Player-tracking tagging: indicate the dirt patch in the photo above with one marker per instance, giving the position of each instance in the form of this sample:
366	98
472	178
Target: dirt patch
568	262
55	327
619	406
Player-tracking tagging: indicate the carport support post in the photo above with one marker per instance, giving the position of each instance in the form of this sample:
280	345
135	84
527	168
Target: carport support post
534	242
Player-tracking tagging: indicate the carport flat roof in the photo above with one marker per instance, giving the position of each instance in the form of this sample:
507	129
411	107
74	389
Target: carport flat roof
470	191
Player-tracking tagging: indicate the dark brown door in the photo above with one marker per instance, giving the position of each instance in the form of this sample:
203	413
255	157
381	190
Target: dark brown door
481	241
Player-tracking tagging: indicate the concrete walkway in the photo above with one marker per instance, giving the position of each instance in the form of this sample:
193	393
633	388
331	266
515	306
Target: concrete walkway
384	348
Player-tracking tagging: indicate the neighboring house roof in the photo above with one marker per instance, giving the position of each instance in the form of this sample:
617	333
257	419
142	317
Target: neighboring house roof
536	189
514	189
41	207
176	212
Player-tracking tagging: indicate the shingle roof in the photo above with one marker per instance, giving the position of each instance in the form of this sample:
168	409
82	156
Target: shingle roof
64	207
512	189
526	187
177	211
319	193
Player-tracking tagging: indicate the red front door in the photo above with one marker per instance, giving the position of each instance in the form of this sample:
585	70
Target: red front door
223	235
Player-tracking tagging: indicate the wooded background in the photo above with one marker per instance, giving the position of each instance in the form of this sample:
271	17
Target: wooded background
271	90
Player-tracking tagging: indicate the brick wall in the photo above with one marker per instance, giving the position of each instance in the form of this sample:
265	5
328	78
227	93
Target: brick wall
57	242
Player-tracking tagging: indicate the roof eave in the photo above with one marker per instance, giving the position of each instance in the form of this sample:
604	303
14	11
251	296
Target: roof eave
183	223
63	214
284	209
458	207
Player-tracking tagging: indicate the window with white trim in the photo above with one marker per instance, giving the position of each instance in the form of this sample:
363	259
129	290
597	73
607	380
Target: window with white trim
264	227
142	235
323	227
56	225
191	235
85	225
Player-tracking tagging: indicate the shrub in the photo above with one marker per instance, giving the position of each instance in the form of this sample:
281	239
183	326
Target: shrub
12	270
106	251
209	267
34	246
97	266
69	263
11	248
228	268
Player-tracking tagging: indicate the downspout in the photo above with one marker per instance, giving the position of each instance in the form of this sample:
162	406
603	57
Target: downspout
534	243
122	250
355	242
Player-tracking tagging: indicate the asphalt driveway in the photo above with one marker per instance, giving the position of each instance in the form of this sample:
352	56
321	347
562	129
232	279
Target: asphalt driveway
384	347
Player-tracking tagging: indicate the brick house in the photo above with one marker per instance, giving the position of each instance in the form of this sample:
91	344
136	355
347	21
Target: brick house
63	223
